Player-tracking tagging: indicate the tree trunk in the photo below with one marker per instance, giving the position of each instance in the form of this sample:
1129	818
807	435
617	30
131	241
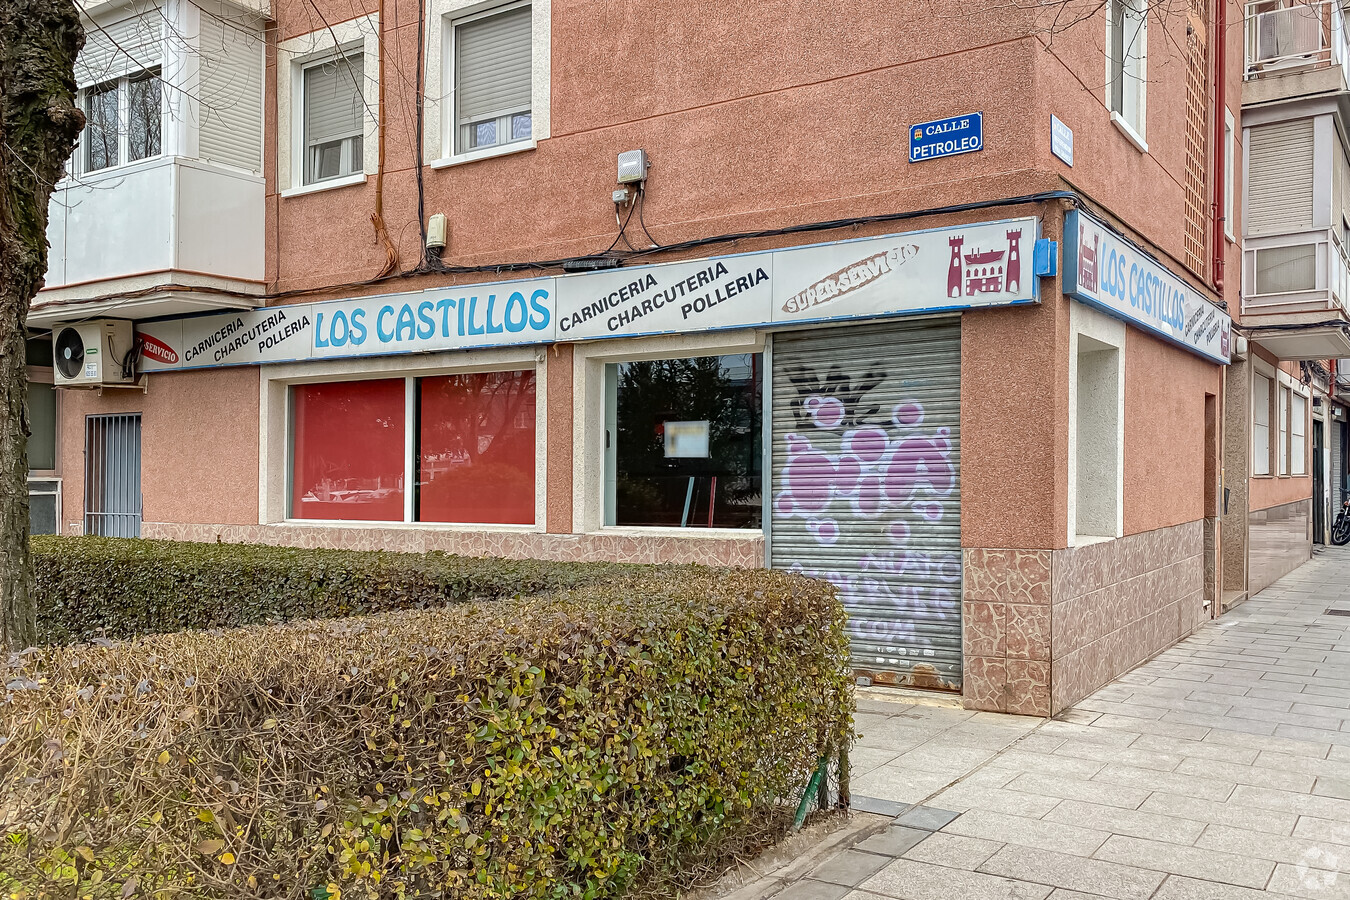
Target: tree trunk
39	40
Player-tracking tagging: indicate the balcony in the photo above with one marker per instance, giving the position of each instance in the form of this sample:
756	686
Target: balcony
181	233
162	211
1296	293
1295	48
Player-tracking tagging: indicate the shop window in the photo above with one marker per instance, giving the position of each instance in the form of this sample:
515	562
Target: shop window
1097	506
684	442
1260	424
1282	449
333	117
1298	435
347	445
476	448
492	80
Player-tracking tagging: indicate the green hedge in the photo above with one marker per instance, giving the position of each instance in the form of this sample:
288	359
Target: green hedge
592	742
89	587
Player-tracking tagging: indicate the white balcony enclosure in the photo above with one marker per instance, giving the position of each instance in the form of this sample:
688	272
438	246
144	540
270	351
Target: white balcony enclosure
162	208
1286	36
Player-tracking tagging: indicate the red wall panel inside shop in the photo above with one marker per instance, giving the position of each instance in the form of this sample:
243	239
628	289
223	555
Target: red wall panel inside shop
476	448
348	440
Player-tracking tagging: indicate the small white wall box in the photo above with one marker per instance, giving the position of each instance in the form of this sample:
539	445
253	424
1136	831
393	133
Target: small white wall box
633	166
436	232
90	354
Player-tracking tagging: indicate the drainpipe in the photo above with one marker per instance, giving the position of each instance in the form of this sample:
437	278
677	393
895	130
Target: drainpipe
1220	149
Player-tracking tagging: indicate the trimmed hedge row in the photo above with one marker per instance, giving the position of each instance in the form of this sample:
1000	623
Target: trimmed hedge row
592	742
89	587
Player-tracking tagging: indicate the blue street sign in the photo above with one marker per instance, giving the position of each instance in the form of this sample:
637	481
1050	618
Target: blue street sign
946	137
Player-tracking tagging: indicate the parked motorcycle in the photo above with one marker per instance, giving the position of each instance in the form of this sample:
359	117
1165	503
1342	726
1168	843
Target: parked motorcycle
1340	529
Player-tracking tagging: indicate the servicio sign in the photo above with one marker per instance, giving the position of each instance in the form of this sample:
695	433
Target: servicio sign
922	271
946	137
1102	269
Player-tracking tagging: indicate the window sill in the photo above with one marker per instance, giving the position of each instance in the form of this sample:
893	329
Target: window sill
1086	540
407	526
1125	128
489	153
331	184
667	531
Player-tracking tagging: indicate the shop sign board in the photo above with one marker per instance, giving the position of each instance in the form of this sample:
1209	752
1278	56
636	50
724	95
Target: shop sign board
946	137
1104	270
925	271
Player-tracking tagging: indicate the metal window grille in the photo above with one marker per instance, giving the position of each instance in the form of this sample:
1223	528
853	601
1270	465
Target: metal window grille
112	476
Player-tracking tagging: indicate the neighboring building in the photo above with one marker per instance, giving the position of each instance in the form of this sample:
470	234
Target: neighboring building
943	320
1286	422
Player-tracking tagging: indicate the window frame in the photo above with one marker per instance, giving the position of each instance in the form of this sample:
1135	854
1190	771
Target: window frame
1131	122
276	422
1283	406
121	85
358	35
442	15
1298	461
43	375
299	132
760	421
1256	455
450	122
1229	172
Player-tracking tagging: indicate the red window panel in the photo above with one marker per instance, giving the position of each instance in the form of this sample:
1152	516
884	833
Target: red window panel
476	448
348	450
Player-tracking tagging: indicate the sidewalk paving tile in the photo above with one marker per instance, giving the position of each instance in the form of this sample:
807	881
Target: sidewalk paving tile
850	867
912	880
953	851
992	826
1073	872
1191	861
927	818
1132	822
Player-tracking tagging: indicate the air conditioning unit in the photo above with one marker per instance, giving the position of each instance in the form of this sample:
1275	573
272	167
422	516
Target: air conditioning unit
94	353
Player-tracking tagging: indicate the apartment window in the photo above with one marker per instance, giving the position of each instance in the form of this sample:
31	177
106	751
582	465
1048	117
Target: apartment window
124	120
1126	34
333	118
1260	424
1298	435
1229	155
450	448
1286	270
491	62
684	442
1282	450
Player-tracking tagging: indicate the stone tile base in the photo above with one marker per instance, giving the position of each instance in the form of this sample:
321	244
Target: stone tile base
747	552
1045	628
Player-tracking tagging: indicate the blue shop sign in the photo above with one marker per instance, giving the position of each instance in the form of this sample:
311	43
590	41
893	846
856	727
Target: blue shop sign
946	137
1104	270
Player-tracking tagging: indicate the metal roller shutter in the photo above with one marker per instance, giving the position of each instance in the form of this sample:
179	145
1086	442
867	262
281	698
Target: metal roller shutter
866	427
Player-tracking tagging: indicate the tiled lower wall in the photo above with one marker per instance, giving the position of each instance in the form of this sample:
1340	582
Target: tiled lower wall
1043	629
1279	540
747	551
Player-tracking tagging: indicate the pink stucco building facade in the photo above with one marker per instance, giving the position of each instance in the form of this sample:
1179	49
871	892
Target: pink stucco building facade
981	387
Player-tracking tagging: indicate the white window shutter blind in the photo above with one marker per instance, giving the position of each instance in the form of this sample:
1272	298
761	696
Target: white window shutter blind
492	66
128	47
1280	177
333	103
